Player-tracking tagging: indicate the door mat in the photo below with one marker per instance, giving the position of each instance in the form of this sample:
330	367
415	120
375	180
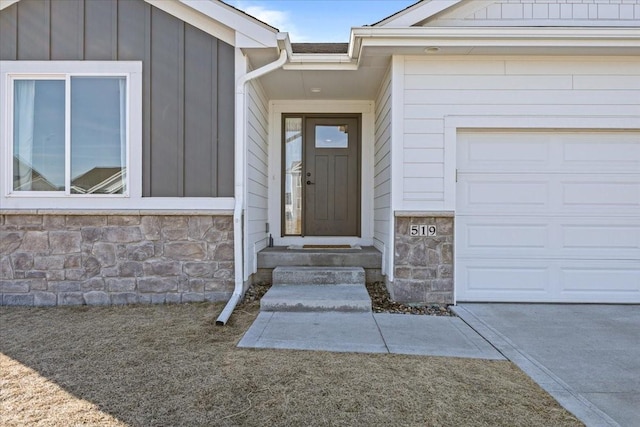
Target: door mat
326	246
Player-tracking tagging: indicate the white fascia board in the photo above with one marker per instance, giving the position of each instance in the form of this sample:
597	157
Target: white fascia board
208	24
250	32
418	13
244	42
494	37
6	3
320	62
538	23
111	203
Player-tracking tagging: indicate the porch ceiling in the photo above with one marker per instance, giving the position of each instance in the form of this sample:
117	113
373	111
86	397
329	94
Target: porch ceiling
336	80
360	84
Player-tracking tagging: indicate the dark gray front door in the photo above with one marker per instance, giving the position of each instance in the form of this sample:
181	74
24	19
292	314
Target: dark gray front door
331	176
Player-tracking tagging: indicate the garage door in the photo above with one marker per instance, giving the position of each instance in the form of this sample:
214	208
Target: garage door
548	217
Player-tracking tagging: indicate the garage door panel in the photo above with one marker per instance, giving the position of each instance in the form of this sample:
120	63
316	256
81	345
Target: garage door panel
599	279
547	237
485	236
552	193
514	281
549	217
553	281
602	236
483	152
602	193
519	194
505	236
615	152
515	278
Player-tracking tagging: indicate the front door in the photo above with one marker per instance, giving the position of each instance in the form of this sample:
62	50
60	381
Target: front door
330	176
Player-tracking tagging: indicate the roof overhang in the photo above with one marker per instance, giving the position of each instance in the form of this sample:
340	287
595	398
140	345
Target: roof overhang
358	74
249	32
7	3
495	41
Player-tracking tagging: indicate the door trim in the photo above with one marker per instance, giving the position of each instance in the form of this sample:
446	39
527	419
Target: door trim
305	117
279	107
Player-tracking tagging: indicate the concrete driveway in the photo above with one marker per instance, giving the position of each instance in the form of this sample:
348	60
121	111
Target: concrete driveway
586	356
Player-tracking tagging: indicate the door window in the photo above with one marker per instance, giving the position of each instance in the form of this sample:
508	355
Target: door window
332	136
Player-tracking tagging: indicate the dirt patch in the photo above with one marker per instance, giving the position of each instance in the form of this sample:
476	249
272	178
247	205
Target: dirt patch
381	302
171	365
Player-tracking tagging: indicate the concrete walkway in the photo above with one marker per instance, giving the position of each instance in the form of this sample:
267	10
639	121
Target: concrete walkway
368	333
586	356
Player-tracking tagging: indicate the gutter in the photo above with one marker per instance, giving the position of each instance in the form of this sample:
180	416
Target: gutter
623	39
238	210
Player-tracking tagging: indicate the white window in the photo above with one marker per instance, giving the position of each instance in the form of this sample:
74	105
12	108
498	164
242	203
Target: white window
71	128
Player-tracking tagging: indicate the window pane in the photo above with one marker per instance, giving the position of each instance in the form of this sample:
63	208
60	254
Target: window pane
38	135
293	176
98	135
332	136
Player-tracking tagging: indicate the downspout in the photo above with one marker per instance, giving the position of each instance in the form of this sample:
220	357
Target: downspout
239	182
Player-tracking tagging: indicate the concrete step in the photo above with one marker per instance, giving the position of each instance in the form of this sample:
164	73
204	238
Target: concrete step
367	257
317	298
318	276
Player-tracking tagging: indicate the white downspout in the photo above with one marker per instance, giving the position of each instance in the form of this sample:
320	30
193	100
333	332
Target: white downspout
238	210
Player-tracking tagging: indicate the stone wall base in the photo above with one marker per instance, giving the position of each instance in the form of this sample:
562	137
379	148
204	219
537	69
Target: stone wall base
49	259
423	265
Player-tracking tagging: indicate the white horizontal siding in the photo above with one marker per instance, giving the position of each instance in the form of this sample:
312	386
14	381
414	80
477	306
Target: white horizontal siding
502	86
382	214
538	12
257	173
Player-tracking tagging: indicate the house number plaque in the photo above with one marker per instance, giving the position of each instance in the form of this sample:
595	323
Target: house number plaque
423	230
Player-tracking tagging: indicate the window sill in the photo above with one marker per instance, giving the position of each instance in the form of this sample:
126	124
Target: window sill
143	205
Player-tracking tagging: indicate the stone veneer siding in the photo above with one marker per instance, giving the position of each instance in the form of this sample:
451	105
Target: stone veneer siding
50	259
423	266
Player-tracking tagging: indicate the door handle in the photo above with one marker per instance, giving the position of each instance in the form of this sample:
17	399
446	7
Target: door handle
310	183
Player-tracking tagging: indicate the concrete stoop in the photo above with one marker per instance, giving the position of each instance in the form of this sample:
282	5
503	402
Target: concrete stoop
317	289
318	276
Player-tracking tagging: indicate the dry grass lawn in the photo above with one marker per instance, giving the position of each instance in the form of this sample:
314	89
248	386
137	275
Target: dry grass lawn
170	365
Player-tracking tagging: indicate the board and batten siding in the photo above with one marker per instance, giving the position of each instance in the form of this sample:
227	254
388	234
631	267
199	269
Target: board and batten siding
540	87
382	215
188	82
257	172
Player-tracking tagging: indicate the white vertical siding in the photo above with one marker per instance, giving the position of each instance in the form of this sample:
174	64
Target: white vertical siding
382	215
540	87
257	173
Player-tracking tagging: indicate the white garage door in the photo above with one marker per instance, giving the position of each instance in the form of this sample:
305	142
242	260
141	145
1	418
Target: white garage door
548	216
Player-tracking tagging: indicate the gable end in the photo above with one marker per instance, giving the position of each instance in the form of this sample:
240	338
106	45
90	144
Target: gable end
535	13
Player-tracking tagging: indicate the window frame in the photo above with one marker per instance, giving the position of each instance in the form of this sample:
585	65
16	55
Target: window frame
11	71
